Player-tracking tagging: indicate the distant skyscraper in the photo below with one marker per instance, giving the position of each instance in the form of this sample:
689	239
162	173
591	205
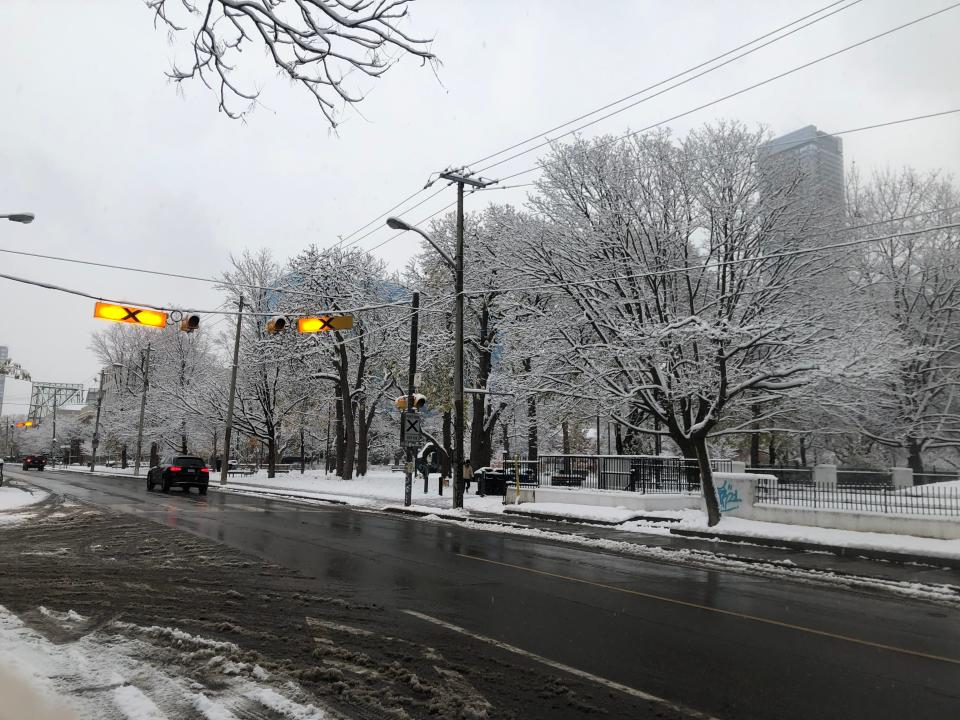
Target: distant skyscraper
4	354
816	160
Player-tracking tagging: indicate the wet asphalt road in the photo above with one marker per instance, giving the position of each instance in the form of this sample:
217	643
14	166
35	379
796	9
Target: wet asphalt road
721	643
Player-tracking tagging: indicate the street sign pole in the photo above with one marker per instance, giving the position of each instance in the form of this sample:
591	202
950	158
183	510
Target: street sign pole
407	426
228	429
143	407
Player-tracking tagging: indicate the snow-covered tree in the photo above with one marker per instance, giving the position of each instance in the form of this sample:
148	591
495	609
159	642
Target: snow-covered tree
910	287
677	300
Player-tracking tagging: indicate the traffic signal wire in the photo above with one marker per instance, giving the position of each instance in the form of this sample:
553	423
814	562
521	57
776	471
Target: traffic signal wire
166	309
147	271
632	95
355	337
737	261
723	98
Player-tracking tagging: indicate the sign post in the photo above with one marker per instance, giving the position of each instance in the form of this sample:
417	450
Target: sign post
411	421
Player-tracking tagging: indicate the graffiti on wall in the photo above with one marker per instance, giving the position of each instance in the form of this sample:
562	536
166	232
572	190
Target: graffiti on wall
727	497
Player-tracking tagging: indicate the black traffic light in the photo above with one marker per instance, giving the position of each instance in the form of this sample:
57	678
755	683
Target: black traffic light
276	324
190	323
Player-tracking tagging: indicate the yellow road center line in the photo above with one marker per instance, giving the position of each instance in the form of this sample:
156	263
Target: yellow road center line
721	611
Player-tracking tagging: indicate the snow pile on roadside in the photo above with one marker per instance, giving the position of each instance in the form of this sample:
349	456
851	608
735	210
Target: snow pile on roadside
377	488
132	672
941	488
696	520
576	512
16	498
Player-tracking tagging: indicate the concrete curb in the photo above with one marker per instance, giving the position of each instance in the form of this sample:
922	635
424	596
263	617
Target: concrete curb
840	550
400	510
281	496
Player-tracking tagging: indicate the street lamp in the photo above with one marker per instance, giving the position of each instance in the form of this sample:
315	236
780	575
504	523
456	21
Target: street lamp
458	421
25	218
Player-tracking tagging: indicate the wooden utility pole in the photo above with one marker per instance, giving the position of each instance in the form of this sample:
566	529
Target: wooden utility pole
228	430
411	379
458	420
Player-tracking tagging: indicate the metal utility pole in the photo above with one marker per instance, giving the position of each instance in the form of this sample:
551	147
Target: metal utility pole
414	330
143	408
96	425
326	457
228	431
53	440
457	266
458	419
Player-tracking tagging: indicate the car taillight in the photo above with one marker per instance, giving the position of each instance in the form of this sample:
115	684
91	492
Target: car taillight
206	470
175	468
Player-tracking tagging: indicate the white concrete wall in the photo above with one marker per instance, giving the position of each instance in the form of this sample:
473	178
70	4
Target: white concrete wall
604	498
744	488
940	528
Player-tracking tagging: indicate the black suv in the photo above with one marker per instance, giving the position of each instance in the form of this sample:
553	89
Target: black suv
37	462
184	471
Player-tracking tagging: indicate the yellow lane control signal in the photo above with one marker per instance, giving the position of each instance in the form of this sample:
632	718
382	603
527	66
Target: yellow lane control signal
134	315
324	323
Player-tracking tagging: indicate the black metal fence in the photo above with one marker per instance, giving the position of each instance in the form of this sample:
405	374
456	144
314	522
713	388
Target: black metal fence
851	477
634	473
929	500
934	477
785	474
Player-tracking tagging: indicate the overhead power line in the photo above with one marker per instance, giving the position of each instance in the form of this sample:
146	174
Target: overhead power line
632	95
686	80
769	145
728	96
738	261
716	101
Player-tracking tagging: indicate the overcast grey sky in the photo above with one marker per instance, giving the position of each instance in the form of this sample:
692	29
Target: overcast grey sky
120	168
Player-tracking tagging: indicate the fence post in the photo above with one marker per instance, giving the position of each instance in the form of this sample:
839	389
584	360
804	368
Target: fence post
826	474
902	477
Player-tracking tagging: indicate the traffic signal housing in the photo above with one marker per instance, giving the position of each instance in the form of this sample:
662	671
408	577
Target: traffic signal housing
133	315
190	323
418	401
276	324
324	323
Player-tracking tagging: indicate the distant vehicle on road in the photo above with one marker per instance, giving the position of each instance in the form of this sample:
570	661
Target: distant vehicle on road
183	471
37	462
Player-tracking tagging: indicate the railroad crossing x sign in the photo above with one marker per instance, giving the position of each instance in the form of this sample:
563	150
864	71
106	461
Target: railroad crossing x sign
411	429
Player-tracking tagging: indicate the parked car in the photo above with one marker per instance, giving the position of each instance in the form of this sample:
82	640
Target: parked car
183	471
37	462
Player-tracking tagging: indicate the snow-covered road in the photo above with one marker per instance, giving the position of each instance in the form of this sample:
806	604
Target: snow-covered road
59	664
